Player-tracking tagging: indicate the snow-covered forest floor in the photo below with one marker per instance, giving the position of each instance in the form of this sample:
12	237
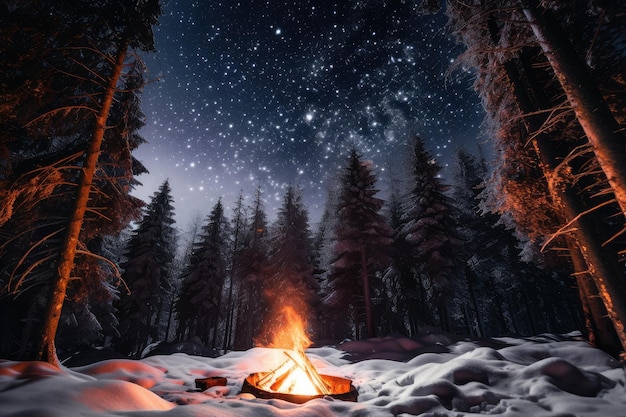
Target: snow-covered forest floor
432	376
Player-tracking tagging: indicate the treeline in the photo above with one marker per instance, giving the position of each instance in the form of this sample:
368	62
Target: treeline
426	257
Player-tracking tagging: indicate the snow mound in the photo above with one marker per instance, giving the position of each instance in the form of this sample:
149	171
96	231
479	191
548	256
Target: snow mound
38	389
107	396
136	372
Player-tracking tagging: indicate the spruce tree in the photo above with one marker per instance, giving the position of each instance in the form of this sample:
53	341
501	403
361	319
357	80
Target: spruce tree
430	230
323	257
53	140
290	281
250	277
239	225
147	276
200	298
409	308
499	281
362	238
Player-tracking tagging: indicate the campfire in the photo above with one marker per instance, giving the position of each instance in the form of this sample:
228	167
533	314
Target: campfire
295	379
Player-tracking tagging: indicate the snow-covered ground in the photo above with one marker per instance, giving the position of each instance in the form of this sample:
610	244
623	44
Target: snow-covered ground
434	376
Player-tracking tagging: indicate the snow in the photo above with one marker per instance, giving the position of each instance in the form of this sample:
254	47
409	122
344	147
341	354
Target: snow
433	376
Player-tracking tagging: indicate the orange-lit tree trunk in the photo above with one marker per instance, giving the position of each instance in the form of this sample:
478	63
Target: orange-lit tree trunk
592	112
609	147
550	145
65	263
600	329
567	206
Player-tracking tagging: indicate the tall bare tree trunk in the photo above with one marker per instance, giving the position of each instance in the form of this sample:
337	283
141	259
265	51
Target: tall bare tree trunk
609	147
369	319
65	264
600	329
592	112
606	276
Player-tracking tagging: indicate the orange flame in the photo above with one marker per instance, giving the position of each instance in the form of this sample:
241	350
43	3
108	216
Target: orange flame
290	333
296	375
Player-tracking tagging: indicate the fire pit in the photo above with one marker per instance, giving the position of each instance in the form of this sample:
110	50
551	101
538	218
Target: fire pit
341	389
297	381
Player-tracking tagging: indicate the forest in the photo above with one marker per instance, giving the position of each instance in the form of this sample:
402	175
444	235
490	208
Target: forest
529	242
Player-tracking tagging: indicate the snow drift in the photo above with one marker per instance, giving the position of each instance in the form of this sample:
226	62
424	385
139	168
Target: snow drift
395	376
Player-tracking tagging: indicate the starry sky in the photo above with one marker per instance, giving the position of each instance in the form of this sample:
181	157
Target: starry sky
276	92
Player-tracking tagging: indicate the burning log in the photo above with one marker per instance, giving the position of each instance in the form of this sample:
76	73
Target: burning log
340	388
281	380
295	375
269	376
306	365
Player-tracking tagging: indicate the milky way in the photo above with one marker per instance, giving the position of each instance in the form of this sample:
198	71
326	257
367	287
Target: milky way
274	93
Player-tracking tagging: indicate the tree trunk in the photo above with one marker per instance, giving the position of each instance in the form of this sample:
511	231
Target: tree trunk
218	313
65	264
529	310
369	319
599	326
229	314
170	310
592	112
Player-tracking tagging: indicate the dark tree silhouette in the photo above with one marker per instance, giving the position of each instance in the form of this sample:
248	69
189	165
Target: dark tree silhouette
430	230
506	294
198	305
147	275
362	238
250	276
239	225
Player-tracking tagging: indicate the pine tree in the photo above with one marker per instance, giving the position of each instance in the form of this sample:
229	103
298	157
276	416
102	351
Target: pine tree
132	27
147	276
409	308
189	240
483	242
323	257
499	281
250	277
290	281
53	139
430	230
199	302
239	225
362	237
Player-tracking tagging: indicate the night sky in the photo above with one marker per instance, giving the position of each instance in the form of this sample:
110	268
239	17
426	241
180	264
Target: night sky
274	93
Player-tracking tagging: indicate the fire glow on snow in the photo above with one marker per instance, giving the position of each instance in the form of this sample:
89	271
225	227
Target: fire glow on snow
395	377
